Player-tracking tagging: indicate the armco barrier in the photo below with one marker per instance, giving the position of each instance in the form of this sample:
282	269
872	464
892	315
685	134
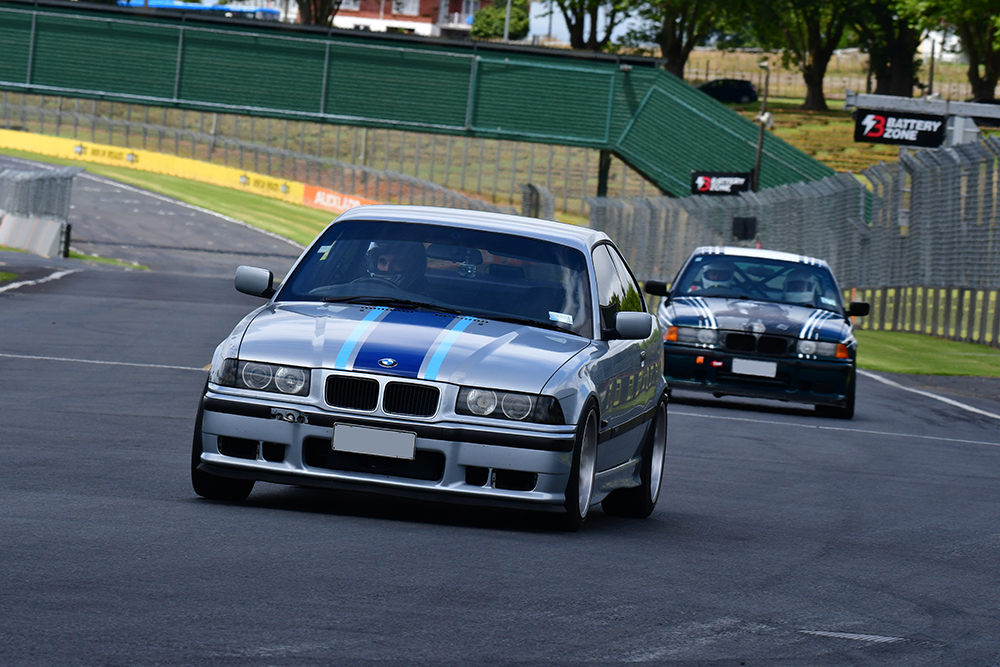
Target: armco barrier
957	313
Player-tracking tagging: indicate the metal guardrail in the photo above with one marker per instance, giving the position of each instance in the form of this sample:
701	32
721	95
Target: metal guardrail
957	313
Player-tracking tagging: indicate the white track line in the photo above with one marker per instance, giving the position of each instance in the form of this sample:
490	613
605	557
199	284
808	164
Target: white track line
28	283
875	639
108	181
928	394
833	428
103	363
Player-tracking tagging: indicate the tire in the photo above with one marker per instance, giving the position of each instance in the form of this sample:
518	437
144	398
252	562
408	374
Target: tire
847	410
207	485
580	488
638	502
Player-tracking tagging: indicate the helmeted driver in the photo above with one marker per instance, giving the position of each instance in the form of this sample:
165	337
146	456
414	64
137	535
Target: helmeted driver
800	287
401	263
716	274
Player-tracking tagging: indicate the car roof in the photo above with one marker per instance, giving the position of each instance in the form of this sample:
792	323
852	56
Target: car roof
734	251
548	230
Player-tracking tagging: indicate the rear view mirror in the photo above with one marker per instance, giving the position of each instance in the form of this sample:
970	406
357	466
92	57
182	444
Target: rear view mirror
655	287
633	326
858	309
455	254
255	282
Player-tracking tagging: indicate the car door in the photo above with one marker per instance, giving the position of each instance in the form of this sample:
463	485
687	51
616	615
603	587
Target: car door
620	373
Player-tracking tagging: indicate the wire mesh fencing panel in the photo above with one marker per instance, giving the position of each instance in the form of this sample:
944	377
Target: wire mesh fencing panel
485	169
199	136
919	238
40	193
823	219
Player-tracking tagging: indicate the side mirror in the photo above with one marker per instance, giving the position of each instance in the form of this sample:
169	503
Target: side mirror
655	287
255	282
858	309
633	326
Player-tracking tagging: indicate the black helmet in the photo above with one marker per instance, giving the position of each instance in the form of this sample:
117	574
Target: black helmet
401	263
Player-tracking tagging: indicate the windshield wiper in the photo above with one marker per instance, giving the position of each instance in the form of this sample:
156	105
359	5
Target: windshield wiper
513	319
391	302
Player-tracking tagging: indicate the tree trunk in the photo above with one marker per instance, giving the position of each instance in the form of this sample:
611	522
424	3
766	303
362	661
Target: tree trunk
679	33
813	75
574	23
978	44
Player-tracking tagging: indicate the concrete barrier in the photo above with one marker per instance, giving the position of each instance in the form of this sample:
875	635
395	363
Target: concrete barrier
43	236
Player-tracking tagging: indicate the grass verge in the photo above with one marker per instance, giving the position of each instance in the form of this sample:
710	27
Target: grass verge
299	223
896	352
7	277
106	260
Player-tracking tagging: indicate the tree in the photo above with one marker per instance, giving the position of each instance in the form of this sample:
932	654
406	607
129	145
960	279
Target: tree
318	12
807	32
489	21
891	36
977	24
580	14
677	26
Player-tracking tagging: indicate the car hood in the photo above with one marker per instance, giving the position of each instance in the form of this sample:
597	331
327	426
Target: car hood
760	317
407	343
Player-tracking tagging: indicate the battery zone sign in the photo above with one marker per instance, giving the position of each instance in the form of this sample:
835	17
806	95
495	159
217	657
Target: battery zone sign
886	127
720	183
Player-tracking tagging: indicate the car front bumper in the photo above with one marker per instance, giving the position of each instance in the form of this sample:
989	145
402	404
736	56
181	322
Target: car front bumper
815	381
292	444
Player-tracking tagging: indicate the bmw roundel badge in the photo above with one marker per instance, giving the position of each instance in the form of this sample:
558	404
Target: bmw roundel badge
387	362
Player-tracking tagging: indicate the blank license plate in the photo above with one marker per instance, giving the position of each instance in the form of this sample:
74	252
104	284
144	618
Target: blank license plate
764	369
374	441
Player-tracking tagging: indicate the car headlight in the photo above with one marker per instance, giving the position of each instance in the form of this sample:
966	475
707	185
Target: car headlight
815	348
509	405
691	335
261	377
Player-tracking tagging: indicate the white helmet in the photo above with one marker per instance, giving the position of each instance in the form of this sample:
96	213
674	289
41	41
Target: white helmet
716	274
800	287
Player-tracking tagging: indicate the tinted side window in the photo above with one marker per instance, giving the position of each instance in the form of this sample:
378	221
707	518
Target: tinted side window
610	292
633	295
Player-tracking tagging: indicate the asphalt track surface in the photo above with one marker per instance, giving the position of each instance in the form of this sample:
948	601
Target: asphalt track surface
781	538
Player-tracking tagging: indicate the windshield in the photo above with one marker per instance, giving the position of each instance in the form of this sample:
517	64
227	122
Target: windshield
760	279
460	271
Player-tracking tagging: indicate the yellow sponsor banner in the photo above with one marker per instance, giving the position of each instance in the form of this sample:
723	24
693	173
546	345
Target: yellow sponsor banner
171	165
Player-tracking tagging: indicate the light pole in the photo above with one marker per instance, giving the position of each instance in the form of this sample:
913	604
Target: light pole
506	23
765	119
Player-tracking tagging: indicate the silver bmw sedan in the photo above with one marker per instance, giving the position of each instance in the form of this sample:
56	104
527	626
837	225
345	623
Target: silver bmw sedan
418	351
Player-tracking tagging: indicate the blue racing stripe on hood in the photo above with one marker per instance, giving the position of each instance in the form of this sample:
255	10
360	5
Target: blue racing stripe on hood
442	349
405	336
352	340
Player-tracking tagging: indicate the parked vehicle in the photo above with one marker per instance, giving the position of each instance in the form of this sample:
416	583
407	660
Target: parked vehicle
730	90
415	350
759	323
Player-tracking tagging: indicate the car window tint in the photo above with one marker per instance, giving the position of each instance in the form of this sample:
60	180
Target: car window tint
760	279
473	272
633	295
610	291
